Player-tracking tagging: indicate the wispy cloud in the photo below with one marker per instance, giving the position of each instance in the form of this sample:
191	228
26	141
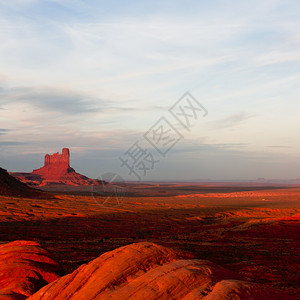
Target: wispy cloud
11	143
3	131
93	74
68	102
283	147
232	120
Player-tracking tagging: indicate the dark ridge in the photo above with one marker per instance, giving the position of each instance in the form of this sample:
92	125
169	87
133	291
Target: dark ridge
10	186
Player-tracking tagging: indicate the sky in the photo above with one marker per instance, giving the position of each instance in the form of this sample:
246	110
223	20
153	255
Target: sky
96	76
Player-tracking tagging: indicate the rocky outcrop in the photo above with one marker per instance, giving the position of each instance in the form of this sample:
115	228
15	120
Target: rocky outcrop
56	170
238	290
10	186
149	271
55	166
25	267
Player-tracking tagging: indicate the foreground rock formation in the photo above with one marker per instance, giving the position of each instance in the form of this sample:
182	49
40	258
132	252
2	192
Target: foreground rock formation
56	170
10	186
149	271
25	267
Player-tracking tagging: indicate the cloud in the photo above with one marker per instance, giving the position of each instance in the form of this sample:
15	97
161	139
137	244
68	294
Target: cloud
3	131
80	73
68	102
10	143
195	147
283	147
231	121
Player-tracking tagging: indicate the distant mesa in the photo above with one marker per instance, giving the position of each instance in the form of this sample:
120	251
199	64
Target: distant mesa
56	170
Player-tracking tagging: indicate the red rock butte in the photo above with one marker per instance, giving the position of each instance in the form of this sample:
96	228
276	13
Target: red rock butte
56	165
56	170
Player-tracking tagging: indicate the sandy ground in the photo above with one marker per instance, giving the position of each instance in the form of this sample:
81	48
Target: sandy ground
254	232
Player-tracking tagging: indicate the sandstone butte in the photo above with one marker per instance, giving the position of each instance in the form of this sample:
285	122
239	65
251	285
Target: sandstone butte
25	267
149	271
56	170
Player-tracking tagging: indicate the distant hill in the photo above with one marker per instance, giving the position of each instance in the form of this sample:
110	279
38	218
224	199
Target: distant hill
10	186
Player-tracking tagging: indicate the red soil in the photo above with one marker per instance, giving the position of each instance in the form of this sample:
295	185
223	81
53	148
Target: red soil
256	236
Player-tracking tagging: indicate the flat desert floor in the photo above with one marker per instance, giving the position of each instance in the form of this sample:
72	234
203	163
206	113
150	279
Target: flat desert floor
251	231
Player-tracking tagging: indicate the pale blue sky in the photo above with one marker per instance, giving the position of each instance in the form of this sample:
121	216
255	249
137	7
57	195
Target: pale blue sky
94	76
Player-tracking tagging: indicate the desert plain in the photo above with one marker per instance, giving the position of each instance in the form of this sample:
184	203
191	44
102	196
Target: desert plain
250	230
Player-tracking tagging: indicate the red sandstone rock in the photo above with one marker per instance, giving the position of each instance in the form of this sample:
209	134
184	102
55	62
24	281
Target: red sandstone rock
149	271
25	267
238	290
56	170
55	166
